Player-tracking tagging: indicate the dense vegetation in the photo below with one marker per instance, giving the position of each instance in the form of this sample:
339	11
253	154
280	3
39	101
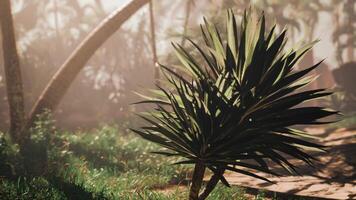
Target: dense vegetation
102	164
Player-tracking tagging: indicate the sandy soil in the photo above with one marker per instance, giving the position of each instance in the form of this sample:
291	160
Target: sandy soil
334	178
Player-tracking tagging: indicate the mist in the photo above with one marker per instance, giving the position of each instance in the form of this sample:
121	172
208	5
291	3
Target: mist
81	66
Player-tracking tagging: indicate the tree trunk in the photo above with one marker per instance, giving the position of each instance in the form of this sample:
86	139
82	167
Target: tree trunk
14	85
350	49
197	180
153	44
59	84
350	36
186	21
211	184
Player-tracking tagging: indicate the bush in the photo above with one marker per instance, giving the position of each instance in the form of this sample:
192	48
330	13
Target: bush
235	111
10	159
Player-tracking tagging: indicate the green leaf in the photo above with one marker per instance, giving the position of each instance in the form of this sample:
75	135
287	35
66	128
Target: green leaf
233	101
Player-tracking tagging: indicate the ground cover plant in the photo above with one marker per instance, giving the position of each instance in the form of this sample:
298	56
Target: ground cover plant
235	111
102	164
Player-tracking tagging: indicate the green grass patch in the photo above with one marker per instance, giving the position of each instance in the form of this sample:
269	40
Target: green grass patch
102	164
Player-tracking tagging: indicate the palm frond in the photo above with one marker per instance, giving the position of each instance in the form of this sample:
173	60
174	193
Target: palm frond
238	104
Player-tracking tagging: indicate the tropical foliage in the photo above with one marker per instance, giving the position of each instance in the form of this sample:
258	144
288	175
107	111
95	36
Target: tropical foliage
234	112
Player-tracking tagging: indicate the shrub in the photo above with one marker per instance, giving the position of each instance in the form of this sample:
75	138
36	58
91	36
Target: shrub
234	112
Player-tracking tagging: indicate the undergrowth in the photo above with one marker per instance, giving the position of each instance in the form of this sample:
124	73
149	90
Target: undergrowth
101	164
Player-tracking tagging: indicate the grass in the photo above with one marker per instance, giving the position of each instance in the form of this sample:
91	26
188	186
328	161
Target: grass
103	164
23	189
112	164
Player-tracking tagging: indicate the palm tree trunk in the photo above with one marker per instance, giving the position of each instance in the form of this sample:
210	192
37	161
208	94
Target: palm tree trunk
60	82
153	44
14	85
211	184
197	180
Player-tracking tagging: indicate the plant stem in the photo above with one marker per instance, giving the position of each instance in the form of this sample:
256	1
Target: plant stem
197	180
211	184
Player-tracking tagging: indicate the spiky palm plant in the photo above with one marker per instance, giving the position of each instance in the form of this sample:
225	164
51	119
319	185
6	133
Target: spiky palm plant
234	112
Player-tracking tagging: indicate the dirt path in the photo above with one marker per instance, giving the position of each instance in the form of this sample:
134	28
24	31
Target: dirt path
335	179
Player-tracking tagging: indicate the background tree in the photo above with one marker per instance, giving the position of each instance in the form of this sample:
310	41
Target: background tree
58	85
107	78
188	10
35	156
345	40
344	33
13	76
153	42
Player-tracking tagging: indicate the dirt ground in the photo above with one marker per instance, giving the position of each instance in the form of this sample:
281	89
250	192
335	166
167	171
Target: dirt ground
334	178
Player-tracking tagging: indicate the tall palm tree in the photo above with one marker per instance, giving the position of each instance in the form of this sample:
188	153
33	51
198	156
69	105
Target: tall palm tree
234	111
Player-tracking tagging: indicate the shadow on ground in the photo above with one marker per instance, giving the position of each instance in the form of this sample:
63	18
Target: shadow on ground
333	178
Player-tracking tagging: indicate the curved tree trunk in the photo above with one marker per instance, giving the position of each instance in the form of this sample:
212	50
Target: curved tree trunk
13	75
59	84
